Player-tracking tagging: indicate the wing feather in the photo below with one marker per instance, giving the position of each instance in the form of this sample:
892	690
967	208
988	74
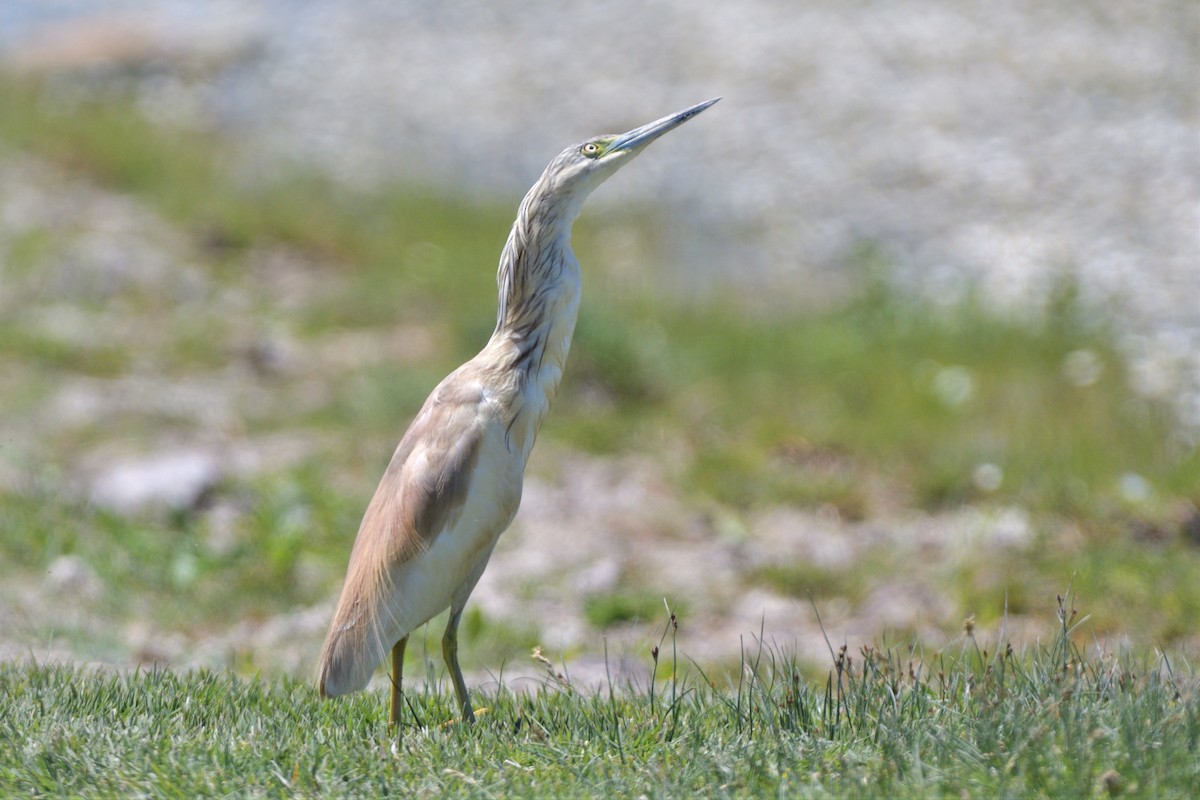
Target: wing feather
425	484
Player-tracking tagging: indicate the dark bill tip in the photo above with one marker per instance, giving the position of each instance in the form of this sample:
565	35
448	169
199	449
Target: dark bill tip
644	135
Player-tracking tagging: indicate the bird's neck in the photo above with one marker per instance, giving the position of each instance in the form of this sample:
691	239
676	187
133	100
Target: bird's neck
539	284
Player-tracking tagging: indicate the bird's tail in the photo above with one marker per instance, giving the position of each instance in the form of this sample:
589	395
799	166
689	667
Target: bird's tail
355	643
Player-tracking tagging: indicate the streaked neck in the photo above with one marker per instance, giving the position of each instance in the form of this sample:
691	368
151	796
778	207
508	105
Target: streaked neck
539	286
539	280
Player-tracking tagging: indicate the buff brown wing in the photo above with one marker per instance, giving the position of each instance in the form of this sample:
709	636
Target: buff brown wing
426	481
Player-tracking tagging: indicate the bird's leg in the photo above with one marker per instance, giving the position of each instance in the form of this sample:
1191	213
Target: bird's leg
450	654
397	679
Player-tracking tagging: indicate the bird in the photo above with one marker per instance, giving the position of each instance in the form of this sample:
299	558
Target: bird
454	482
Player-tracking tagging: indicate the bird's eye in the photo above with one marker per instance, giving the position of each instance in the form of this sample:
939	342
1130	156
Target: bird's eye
591	150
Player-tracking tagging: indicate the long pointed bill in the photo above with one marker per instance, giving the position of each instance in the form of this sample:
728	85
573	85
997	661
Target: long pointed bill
640	137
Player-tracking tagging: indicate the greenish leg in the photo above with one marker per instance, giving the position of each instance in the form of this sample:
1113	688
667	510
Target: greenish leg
450	654
397	679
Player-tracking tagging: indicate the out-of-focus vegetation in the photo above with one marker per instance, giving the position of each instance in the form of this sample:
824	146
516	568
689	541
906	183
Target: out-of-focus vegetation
879	405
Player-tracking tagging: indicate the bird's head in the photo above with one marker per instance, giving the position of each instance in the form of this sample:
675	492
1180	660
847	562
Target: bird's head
583	166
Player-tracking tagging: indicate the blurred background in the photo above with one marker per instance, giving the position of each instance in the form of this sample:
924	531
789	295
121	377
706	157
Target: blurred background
905	331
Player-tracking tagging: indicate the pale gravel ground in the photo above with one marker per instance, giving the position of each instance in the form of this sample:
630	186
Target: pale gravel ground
973	144
996	147
587	525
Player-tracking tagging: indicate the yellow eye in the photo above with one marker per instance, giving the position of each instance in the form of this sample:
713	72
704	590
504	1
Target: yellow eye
591	150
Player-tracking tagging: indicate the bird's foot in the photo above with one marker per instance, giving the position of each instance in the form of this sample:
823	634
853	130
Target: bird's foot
467	720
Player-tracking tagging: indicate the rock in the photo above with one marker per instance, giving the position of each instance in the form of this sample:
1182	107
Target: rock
173	481
114	39
72	575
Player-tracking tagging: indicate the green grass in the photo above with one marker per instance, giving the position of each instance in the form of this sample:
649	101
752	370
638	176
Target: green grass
603	610
1055	721
803	579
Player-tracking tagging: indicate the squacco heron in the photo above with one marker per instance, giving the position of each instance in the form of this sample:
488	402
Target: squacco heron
454	482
